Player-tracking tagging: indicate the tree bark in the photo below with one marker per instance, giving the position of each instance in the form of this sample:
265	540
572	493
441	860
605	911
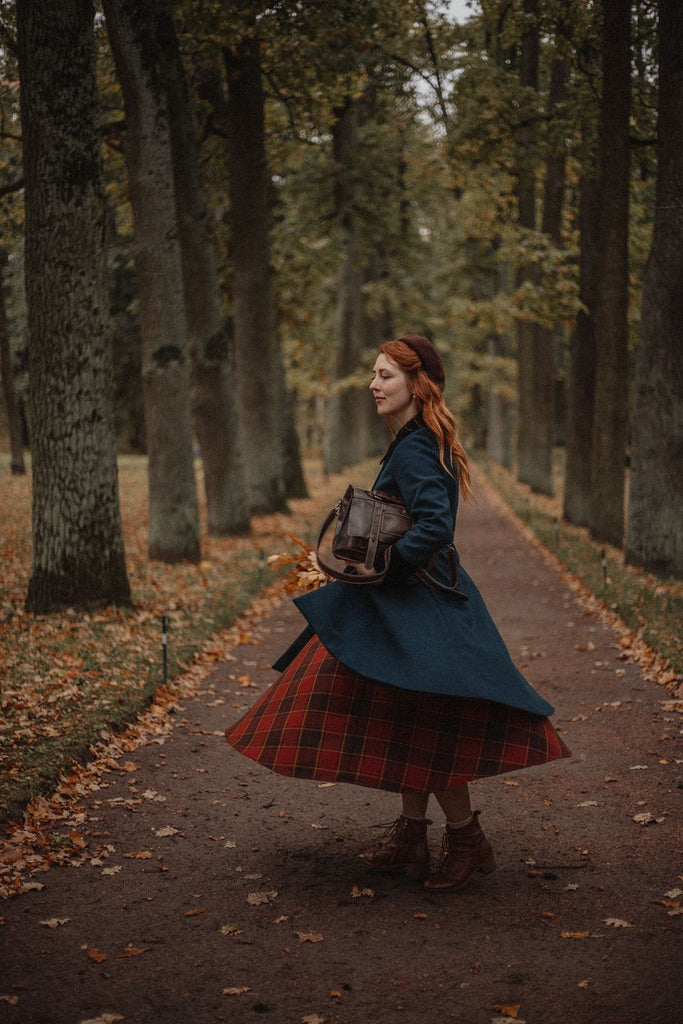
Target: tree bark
611	330
540	431
17	466
532	453
78	555
655	519
582	360
173	508
259	366
346	412
292	469
214	400
501	406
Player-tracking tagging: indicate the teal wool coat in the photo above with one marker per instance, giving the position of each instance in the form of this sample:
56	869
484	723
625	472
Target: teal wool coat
408	634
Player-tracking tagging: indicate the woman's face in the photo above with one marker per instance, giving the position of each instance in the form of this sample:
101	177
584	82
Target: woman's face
390	387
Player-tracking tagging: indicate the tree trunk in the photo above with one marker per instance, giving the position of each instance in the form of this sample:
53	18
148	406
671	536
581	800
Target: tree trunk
173	510
78	556
346	407
292	469
214	401
532	453
582	359
541	429
502	409
655	519
376	329
259	366
611	330
16	447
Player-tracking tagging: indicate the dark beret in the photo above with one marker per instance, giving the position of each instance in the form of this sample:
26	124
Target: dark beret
431	361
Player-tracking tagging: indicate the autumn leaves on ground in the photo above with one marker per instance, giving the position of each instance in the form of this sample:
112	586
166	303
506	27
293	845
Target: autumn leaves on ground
67	679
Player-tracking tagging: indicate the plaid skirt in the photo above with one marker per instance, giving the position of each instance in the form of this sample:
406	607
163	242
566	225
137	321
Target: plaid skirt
320	720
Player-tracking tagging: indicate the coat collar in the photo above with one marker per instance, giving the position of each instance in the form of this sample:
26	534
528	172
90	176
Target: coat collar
406	429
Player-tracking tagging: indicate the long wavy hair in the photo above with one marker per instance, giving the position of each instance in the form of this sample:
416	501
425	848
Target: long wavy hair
434	411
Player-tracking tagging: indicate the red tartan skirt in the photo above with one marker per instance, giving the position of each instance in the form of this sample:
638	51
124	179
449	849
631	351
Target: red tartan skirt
320	720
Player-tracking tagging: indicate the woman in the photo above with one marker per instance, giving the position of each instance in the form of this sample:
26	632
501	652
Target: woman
401	686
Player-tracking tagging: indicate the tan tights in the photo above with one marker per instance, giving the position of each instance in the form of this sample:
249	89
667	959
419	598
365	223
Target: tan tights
455	803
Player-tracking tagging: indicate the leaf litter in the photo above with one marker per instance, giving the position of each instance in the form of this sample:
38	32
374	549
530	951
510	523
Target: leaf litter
65	670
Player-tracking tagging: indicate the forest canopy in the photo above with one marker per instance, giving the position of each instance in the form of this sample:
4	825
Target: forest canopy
212	214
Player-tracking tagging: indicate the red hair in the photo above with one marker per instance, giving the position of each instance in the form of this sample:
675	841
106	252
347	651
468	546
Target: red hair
434	411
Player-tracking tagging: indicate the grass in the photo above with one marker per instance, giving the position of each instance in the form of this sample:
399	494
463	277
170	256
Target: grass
651	606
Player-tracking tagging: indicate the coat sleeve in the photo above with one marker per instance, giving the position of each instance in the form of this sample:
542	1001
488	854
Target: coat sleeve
424	489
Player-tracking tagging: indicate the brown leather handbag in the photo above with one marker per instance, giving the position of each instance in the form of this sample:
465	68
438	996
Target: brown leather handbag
367	524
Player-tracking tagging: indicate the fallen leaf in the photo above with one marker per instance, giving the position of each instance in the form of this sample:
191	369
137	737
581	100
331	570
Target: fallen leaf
140	855
615	922
12	1000
588	803
506	1010
583	984
673	894
255	899
167	830
309	936
420	916
112	871
574	935
96	956
356	893
646	818
130	951
313	1018
55	922
106	1018
230	929
194	913
236	991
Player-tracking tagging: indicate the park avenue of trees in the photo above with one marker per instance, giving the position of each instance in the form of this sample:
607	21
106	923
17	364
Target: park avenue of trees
213	213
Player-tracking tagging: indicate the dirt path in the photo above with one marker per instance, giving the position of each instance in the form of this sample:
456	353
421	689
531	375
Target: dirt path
225	893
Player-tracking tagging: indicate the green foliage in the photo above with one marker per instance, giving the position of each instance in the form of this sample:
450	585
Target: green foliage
440	110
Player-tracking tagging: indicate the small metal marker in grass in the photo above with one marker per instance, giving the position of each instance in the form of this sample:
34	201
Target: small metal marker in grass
164	647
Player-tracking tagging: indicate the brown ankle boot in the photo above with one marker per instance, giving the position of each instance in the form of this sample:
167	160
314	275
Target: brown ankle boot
403	847
465	850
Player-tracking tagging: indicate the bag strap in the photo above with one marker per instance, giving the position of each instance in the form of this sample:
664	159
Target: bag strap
349	577
424	575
